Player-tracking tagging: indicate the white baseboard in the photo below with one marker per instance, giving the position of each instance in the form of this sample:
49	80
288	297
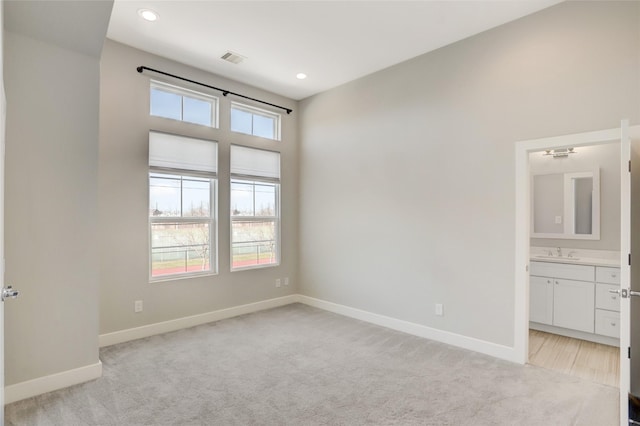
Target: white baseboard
488	348
477	345
23	390
68	378
190	321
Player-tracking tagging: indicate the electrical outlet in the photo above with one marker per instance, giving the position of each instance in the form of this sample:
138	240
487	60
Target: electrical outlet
137	306
439	309
286	281
277	282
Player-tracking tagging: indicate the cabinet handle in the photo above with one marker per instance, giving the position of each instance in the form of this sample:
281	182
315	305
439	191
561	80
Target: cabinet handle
613	324
613	275
614	297
548	281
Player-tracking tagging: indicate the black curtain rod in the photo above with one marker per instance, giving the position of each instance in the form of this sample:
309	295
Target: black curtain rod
224	92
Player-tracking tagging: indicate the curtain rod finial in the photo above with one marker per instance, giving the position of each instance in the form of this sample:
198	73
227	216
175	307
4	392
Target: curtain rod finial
139	69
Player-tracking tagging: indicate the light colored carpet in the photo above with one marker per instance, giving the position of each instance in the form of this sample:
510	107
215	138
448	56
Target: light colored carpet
297	365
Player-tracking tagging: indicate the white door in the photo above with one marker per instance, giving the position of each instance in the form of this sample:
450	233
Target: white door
625	271
5	292
632	330
3	115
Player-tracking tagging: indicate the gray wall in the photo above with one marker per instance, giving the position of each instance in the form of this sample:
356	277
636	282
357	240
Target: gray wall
51	208
407	175
606	158
123	194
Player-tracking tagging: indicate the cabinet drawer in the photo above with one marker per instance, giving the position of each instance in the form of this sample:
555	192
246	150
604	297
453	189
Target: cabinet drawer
608	323
607	275
606	300
563	270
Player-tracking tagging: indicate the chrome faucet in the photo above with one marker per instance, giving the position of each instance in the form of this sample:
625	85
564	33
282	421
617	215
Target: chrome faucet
559	252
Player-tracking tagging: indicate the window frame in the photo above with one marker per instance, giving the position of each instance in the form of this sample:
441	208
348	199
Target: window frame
257	111
177	90
211	220
238	219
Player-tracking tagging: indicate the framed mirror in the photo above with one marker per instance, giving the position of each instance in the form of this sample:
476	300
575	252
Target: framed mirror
566	205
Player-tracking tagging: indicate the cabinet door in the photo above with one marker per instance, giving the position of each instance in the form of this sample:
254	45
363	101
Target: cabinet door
541	300
574	304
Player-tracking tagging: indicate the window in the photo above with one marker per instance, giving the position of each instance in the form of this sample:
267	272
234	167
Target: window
255	121
182	207
184	105
255	208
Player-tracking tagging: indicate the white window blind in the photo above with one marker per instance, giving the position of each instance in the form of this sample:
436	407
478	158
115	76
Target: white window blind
256	163
182	153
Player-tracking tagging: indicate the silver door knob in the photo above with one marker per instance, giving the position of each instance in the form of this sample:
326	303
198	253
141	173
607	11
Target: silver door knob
625	293
9	292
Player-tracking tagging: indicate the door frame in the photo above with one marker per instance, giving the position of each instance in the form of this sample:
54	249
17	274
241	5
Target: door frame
523	229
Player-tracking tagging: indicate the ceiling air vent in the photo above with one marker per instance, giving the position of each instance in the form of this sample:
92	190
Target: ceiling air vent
234	58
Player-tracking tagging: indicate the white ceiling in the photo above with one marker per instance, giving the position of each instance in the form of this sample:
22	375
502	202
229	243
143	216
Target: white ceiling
333	42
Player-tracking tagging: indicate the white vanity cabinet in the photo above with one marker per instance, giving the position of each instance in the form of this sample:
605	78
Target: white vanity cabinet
574	300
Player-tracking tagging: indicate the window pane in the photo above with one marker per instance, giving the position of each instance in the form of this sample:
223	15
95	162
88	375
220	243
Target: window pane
263	126
265	196
240	121
166	104
242	198
164	195
196	194
197	111
254	243
177	248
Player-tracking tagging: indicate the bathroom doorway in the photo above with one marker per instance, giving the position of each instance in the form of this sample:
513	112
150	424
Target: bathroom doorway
523	234
574	260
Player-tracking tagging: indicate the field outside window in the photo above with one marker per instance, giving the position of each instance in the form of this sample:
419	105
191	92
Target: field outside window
254	224
181	224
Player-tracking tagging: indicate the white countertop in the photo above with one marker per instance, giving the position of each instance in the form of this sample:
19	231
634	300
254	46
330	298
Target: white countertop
578	261
576	256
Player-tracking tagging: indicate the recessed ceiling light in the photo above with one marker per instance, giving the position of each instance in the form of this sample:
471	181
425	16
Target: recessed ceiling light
301	76
148	15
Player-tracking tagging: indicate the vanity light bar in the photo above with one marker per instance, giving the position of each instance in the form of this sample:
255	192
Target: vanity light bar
559	153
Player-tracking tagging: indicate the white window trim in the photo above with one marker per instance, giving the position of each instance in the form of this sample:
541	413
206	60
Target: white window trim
215	110
276	218
258	111
212	220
